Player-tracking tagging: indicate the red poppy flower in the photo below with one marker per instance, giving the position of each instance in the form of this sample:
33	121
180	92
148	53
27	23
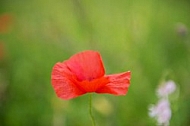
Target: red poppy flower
84	73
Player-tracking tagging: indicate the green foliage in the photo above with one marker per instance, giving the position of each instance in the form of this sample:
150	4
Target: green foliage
149	38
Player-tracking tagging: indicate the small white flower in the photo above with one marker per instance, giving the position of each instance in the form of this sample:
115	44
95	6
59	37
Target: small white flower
167	88
164	117
161	111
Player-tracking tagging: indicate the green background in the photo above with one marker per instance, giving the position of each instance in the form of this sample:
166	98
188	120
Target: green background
150	38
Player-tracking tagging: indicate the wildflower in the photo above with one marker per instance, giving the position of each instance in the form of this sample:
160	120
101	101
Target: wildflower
161	112
84	73
167	88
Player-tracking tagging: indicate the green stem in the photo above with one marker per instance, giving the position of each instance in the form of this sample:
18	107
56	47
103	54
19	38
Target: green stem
90	110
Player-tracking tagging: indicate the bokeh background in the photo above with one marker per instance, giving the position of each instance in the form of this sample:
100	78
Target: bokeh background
150	38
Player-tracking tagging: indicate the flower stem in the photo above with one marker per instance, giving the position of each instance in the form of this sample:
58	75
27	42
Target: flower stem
90	110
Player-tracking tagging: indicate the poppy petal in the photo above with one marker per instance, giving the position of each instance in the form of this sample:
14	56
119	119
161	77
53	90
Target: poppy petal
86	65
94	85
63	82
118	84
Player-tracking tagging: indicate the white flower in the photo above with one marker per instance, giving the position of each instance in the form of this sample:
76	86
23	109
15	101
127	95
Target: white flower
161	112
167	88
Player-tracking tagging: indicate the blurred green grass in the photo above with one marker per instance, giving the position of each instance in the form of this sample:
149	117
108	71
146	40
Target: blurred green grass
147	38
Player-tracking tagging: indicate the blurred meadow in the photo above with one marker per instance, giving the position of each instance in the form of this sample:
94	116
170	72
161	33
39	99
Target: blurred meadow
150	38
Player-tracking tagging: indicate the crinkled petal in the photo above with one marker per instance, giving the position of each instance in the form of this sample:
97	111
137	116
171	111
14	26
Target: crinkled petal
92	86
118	84
86	65
64	82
